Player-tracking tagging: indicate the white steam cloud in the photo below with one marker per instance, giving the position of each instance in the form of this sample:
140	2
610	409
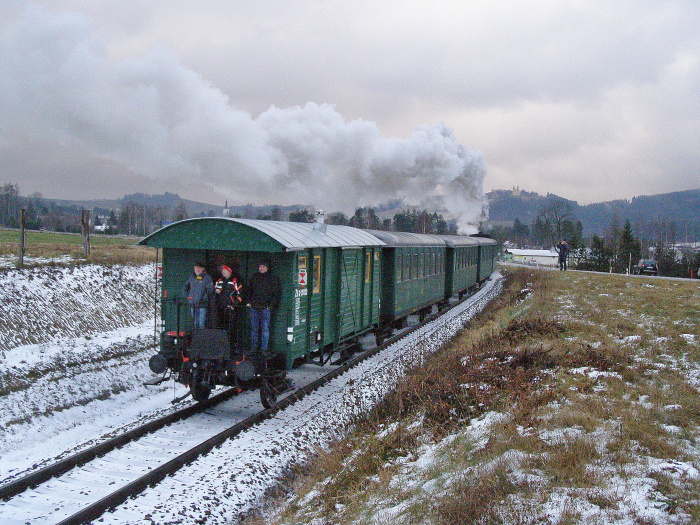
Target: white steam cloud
163	120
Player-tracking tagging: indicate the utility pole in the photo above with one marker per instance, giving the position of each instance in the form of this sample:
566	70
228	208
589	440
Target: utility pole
22	238
85	223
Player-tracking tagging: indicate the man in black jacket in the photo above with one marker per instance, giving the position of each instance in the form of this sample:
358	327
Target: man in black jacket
563	251
263	293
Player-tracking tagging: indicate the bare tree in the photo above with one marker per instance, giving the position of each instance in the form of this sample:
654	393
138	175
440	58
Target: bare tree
554	215
180	212
9	205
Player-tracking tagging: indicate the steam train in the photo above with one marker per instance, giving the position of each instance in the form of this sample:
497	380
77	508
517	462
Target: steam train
338	284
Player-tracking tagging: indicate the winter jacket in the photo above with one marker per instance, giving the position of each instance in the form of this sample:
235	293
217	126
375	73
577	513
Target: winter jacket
563	250
264	290
199	290
231	291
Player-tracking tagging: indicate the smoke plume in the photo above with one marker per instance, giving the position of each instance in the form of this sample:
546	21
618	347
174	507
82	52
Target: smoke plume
163	120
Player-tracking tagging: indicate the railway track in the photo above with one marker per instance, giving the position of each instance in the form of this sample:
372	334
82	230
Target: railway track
81	488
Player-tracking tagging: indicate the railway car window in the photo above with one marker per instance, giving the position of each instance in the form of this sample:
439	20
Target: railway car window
406	266
368	267
317	273
301	262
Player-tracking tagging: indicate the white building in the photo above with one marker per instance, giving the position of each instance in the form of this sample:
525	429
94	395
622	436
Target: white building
532	257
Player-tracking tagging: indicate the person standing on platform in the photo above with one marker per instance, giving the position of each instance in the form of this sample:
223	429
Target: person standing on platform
263	294
199	290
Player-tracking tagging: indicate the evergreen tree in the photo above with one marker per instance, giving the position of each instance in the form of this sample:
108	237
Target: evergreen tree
598	258
365	218
301	216
338	218
629	249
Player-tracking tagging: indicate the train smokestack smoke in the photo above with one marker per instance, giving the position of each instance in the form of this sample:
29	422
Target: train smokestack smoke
163	120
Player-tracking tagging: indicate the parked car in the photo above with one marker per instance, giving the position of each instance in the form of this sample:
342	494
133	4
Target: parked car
646	266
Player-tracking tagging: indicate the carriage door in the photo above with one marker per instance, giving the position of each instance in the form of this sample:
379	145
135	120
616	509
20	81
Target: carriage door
316	299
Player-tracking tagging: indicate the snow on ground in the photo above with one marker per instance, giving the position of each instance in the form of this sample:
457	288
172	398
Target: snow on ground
81	398
233	478
10	261
74	346
641	502
51	304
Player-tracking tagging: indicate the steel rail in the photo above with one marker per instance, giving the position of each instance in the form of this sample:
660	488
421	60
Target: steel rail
119	496
62	466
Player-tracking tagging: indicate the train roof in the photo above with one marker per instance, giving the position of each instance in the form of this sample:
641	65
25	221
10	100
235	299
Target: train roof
219	233
407	239
455	241
484	240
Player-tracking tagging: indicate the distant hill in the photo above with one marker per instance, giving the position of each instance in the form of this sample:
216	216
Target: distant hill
681	207
168	201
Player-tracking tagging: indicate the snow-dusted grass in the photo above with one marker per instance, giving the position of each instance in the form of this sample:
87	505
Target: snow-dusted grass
74	349
575	399
55	303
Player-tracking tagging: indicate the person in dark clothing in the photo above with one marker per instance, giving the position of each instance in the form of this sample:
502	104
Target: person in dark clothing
228	292
263	295
563	251
199	290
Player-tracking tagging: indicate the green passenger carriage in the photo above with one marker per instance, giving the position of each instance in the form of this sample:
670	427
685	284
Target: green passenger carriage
413	275
329	276
488	253
462	264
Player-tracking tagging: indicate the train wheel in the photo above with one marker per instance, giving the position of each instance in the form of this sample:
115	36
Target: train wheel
268	395
200	392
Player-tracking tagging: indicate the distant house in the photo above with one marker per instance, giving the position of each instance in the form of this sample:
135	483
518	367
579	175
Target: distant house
532	257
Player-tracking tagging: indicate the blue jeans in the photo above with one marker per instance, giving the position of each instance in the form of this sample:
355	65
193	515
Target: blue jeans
260	324
199	317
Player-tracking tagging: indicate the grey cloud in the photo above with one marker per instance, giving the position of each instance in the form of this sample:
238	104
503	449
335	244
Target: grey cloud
593	100
161	119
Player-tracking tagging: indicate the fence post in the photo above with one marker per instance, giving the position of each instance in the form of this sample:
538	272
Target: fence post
22	238
85	222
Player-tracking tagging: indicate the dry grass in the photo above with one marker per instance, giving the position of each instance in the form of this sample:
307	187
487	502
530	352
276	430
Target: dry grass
596	380
44	248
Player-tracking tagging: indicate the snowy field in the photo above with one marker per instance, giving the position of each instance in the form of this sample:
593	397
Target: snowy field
74	349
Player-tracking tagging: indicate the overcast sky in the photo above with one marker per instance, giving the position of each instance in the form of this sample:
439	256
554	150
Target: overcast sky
349	103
